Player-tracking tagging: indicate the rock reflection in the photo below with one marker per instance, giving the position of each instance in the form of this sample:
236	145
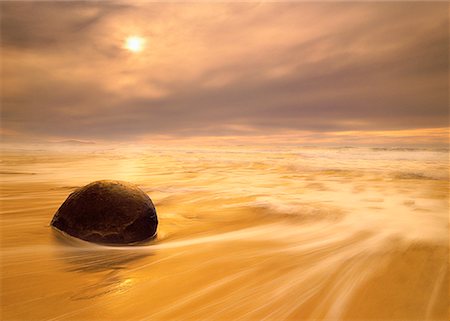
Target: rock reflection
82	256
108	265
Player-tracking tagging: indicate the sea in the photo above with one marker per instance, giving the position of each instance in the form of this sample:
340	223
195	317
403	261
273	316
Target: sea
245	233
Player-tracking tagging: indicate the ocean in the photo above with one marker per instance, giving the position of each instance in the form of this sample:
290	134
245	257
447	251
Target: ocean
245	233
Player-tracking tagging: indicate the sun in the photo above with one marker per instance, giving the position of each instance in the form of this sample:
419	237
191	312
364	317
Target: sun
134	43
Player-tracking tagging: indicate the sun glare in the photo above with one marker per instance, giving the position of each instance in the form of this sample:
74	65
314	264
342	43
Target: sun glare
134	43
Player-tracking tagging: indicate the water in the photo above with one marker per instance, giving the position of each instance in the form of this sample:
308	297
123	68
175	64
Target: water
245	233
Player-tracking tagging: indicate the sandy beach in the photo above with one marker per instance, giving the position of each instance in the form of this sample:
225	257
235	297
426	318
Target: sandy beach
254	233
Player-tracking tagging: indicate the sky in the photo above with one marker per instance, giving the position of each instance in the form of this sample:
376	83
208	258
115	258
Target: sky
340	73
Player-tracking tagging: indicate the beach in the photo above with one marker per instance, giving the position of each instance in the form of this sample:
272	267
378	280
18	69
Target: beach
245	233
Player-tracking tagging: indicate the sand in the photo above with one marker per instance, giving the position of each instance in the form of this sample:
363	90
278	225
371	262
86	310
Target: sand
245	234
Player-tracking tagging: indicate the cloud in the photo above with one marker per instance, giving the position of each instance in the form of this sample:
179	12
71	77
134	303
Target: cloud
222	69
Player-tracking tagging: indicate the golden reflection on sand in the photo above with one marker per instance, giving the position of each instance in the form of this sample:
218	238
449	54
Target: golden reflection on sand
245	234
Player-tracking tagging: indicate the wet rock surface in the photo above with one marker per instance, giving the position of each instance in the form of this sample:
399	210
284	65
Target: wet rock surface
113	212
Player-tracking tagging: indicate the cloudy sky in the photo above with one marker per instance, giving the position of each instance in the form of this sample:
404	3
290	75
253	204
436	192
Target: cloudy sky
341	73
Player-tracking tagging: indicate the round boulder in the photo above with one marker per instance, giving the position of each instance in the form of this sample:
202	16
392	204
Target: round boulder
108	212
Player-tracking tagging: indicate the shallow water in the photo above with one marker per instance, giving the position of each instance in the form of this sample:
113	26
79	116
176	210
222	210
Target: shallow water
245	234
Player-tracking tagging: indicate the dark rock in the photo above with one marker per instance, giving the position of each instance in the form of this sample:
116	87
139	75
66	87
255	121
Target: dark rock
108	212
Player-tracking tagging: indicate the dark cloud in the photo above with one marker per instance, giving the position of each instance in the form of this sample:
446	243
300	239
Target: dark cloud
42	25
223	69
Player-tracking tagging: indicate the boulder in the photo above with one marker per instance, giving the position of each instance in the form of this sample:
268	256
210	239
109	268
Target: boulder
112	212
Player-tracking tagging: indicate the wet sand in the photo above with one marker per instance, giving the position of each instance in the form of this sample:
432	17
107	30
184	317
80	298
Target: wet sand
245	234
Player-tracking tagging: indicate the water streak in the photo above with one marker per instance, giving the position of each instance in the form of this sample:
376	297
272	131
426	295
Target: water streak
245	234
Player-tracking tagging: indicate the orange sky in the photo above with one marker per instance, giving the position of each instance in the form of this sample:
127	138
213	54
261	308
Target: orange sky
324	73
